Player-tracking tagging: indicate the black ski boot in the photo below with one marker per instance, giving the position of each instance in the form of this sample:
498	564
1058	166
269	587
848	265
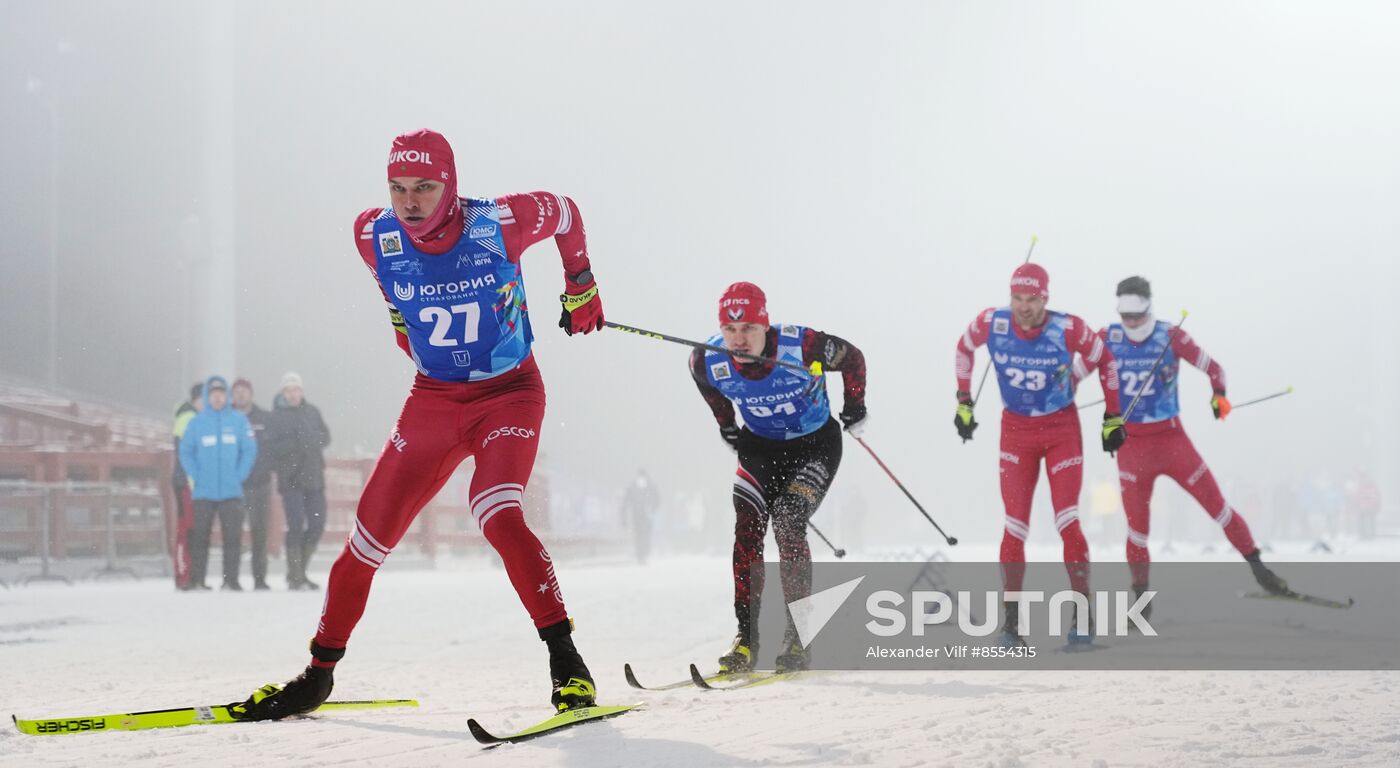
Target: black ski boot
573	683
1266	578
1076	640
794	657
297	696
1010	634
1146	611
740	657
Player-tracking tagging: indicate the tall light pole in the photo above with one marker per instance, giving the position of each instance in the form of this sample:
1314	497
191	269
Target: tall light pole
35	87
53	243
49	94
217	343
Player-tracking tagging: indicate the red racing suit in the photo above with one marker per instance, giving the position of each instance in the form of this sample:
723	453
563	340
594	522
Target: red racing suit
497	420
1054	438
1162	448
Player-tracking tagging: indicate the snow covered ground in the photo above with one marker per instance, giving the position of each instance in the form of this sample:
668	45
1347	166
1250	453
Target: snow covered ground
458	640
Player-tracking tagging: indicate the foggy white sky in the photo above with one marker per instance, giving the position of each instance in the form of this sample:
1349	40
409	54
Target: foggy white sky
877	168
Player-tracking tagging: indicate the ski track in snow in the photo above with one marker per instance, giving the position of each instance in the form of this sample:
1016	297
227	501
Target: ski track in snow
458	640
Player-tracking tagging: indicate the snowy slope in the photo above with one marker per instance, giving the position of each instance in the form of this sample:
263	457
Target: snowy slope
458	640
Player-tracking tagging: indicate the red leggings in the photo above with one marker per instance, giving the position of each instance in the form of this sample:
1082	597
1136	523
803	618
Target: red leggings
1025	441
1159	449
442	423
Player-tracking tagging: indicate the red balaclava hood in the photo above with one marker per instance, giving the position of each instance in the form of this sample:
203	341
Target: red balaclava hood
1032	279
426	154
743	303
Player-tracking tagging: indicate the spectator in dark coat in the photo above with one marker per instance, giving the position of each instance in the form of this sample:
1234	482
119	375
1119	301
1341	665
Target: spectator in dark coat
639	504
299	437
257	489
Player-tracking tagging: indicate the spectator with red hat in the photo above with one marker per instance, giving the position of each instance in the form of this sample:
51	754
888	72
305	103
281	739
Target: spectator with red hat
449	269
789	447
1033	350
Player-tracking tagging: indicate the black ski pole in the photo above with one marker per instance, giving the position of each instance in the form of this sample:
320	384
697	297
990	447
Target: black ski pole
952	540
834	549
710	347
1287	391
1034	239
1152	374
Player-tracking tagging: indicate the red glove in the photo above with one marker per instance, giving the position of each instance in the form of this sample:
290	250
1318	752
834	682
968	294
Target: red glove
583	309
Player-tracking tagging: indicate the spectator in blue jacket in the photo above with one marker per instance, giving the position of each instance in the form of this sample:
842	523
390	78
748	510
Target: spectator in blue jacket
217	451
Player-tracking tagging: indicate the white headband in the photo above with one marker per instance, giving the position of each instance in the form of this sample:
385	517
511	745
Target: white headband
1131	303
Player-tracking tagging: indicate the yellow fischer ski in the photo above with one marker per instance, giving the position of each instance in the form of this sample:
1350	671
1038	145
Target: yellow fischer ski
171	718
565	719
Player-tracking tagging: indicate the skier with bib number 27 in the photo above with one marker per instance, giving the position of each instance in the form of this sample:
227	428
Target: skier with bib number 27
789	449
449	269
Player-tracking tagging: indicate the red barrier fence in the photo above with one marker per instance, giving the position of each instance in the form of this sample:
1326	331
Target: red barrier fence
118	505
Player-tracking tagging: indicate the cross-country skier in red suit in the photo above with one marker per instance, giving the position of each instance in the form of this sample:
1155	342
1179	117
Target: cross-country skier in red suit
450	270
1160	445
1034	350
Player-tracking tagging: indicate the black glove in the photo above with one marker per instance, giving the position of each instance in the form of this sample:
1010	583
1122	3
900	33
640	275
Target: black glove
731	435
964	420
1113	432
853	418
